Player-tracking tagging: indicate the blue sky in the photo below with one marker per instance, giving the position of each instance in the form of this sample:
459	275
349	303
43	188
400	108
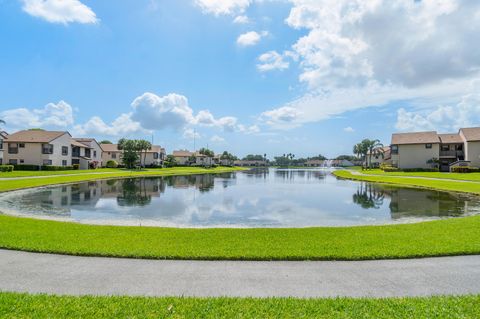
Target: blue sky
248	76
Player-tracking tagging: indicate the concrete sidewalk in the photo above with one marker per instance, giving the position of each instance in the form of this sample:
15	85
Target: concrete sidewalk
57	274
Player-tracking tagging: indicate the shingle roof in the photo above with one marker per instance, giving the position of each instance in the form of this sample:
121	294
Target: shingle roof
77	143
35	136
450	138
471	133
415	138
110	147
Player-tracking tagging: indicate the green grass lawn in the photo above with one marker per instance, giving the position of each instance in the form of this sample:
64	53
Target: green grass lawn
456	236
47	173
13	305
447	185
67	177
457	176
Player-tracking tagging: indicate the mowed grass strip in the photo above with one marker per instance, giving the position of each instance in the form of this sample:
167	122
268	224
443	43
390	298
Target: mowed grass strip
440	184
456	236
7	185
14	305
475	177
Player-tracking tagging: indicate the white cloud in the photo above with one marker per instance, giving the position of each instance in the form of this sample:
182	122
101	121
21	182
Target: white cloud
283	117
349	129
250	38
52	115
121	126
156	113
242	19
442	118
217	139
60	11
190	133
223	7
270	61
359	54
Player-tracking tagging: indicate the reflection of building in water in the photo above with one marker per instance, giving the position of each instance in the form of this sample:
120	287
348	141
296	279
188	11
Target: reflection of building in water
411	202
203	183
293	174
415	202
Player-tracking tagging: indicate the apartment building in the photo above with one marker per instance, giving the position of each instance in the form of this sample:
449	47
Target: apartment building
153	157
426	149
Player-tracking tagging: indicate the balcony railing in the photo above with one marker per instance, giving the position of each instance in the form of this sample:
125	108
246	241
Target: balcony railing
451	153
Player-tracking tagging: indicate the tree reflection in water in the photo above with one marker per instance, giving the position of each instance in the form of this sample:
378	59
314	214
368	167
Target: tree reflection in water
369	196
134	193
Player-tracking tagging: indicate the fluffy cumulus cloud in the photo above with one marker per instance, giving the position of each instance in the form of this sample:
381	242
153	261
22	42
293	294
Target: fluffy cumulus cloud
60	11
151	112
250	38
53	115
283	117
223	7
349	129
242	19
272	60
443	118
368	53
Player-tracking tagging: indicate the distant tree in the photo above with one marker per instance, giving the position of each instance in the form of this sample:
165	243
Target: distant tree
130	152
36	129
170	161
206	152
375	148
350	158
192	159
105	142
230	158
319	157
251	157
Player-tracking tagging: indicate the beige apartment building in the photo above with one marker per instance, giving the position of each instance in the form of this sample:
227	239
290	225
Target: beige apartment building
3	135
425	149
154	157
183	157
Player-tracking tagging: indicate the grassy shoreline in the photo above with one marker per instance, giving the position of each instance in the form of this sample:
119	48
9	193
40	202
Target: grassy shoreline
17	305
462	186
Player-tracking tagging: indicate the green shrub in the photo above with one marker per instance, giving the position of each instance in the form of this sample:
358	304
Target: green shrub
6	168
464	169
26	167
76	166
56	168
112	164
388	168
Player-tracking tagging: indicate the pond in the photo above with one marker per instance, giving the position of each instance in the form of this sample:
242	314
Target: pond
256	198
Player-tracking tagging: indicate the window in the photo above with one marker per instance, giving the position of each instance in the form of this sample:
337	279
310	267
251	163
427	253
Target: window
445	148
428	145
22	161
155	155
114	155
12	148
394	149
47	162
21	145
87	152
94	153
12	162
64	162
76	151
1	144
47	149
64	150
459	147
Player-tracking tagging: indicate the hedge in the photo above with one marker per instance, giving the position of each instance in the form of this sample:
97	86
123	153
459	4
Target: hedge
6	168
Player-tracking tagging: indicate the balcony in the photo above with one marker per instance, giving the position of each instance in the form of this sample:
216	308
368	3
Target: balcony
453	154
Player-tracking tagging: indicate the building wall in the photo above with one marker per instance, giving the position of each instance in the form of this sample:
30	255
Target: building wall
472	153
181	160
415	156
107	156
57	157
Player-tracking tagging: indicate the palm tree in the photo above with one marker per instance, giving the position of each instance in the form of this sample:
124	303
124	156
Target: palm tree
143	146
374	147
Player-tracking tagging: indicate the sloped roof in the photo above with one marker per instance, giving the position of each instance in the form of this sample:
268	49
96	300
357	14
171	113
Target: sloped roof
78	144
450	138
471	133
110	147
415	138
35	136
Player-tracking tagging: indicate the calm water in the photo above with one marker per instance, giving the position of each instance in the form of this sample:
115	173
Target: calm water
259	198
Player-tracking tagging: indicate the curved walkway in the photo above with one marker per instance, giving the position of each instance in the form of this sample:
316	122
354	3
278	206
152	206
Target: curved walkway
58	274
